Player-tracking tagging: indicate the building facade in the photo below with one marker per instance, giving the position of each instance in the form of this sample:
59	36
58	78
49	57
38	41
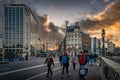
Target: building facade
95	46
1	45
110	47
86	42
117	50
77	41
20	30
73	40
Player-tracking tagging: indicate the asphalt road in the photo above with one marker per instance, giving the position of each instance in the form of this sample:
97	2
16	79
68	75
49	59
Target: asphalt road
21	70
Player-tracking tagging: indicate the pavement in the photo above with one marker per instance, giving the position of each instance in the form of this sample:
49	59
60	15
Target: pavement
93	74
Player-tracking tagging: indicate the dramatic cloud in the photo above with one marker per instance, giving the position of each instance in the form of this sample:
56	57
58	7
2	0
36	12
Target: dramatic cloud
106	0
109	19
48	31
93	1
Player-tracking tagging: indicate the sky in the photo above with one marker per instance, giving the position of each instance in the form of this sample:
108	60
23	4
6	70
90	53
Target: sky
93	15
72	10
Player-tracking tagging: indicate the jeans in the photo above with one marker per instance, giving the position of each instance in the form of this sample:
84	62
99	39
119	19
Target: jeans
65	65
90	61
49	69
74	65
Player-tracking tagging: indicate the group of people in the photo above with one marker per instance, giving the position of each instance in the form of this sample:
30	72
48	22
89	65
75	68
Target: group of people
82	58
92	58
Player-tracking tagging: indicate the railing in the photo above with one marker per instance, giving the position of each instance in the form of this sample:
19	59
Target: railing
109	69
115	58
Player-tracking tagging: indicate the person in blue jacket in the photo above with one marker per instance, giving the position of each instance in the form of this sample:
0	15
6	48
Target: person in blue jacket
65	63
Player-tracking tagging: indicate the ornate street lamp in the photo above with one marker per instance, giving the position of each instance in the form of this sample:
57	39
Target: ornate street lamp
103	40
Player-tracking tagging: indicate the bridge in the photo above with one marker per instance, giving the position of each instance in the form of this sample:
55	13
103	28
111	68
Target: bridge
104	69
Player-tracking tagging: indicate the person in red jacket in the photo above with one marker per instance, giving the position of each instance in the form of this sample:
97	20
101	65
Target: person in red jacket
82	59
82	62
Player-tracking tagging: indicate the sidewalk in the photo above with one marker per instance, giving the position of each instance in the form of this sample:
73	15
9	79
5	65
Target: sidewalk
93	73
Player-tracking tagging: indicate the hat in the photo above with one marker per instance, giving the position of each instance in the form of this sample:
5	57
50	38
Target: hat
65	53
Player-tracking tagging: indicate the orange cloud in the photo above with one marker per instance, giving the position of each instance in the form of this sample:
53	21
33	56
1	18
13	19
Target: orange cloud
109	19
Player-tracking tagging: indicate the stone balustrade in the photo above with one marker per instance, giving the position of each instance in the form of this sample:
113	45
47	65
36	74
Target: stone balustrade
109	69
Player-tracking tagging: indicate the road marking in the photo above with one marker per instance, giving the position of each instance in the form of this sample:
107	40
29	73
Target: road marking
38	75
9	72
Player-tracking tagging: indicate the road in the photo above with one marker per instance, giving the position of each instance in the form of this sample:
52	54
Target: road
36	70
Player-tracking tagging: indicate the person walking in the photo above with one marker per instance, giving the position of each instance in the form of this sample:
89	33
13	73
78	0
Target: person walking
49	61
87	58
60	59
90	58
74	61
95	57
82	60
65	63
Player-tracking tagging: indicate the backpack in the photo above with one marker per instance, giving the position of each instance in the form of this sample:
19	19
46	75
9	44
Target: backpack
64	59
82	59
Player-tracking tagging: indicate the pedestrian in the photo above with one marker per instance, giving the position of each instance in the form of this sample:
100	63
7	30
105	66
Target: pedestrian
74	61
60	59
95	57
49	61
65	63
90	58
87	58
82	60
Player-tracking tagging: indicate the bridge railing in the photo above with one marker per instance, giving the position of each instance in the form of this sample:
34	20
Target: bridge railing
109	69
115	58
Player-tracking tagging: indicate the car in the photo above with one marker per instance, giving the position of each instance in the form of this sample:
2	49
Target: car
43	54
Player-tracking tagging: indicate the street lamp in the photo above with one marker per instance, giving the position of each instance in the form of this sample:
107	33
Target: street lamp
103	40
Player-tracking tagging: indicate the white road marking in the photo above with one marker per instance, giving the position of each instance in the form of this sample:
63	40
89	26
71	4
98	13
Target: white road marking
9	72
38	75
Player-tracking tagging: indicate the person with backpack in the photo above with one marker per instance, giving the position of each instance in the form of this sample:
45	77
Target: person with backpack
65	63
82	62
49	61
82	59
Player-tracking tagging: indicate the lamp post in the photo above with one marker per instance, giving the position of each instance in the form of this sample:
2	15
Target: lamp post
103	40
